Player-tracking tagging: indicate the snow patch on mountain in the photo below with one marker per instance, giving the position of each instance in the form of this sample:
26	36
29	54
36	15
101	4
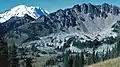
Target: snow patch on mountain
21	10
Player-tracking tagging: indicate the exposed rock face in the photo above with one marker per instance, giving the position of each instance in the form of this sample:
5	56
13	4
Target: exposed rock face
85	22
80	16
14	22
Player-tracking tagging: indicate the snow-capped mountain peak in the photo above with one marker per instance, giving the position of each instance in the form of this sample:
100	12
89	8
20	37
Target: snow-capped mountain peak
21	10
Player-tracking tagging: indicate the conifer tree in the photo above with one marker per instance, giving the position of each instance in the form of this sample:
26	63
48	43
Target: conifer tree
103	57
77	61
28	62
118	48
109	55
13	56
3	53
70	61
93	55
97	57
65	59
82	60
106	54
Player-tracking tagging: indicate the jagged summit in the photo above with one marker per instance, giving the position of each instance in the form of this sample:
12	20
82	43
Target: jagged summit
21	10
97	9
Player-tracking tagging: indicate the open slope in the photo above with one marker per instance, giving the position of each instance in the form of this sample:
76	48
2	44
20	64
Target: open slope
108	63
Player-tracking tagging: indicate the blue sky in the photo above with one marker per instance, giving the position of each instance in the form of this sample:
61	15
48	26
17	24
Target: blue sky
51	5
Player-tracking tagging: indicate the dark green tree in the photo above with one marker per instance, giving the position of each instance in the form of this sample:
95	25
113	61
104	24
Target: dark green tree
93	55
97	57
28	62
70	63
3	53
118	48
82	59
65	60
13	56
106	54
77	61
103	55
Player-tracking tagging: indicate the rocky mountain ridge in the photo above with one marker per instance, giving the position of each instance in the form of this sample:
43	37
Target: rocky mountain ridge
75	28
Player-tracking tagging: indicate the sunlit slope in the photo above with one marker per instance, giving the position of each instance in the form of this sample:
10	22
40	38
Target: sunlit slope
108	63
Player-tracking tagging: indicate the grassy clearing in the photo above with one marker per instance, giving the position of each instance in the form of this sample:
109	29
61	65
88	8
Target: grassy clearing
40	61
108	63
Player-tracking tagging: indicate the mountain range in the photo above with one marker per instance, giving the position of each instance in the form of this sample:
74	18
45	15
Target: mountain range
80	27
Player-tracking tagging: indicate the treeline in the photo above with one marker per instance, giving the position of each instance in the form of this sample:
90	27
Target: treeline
16	60
69	59
9	56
